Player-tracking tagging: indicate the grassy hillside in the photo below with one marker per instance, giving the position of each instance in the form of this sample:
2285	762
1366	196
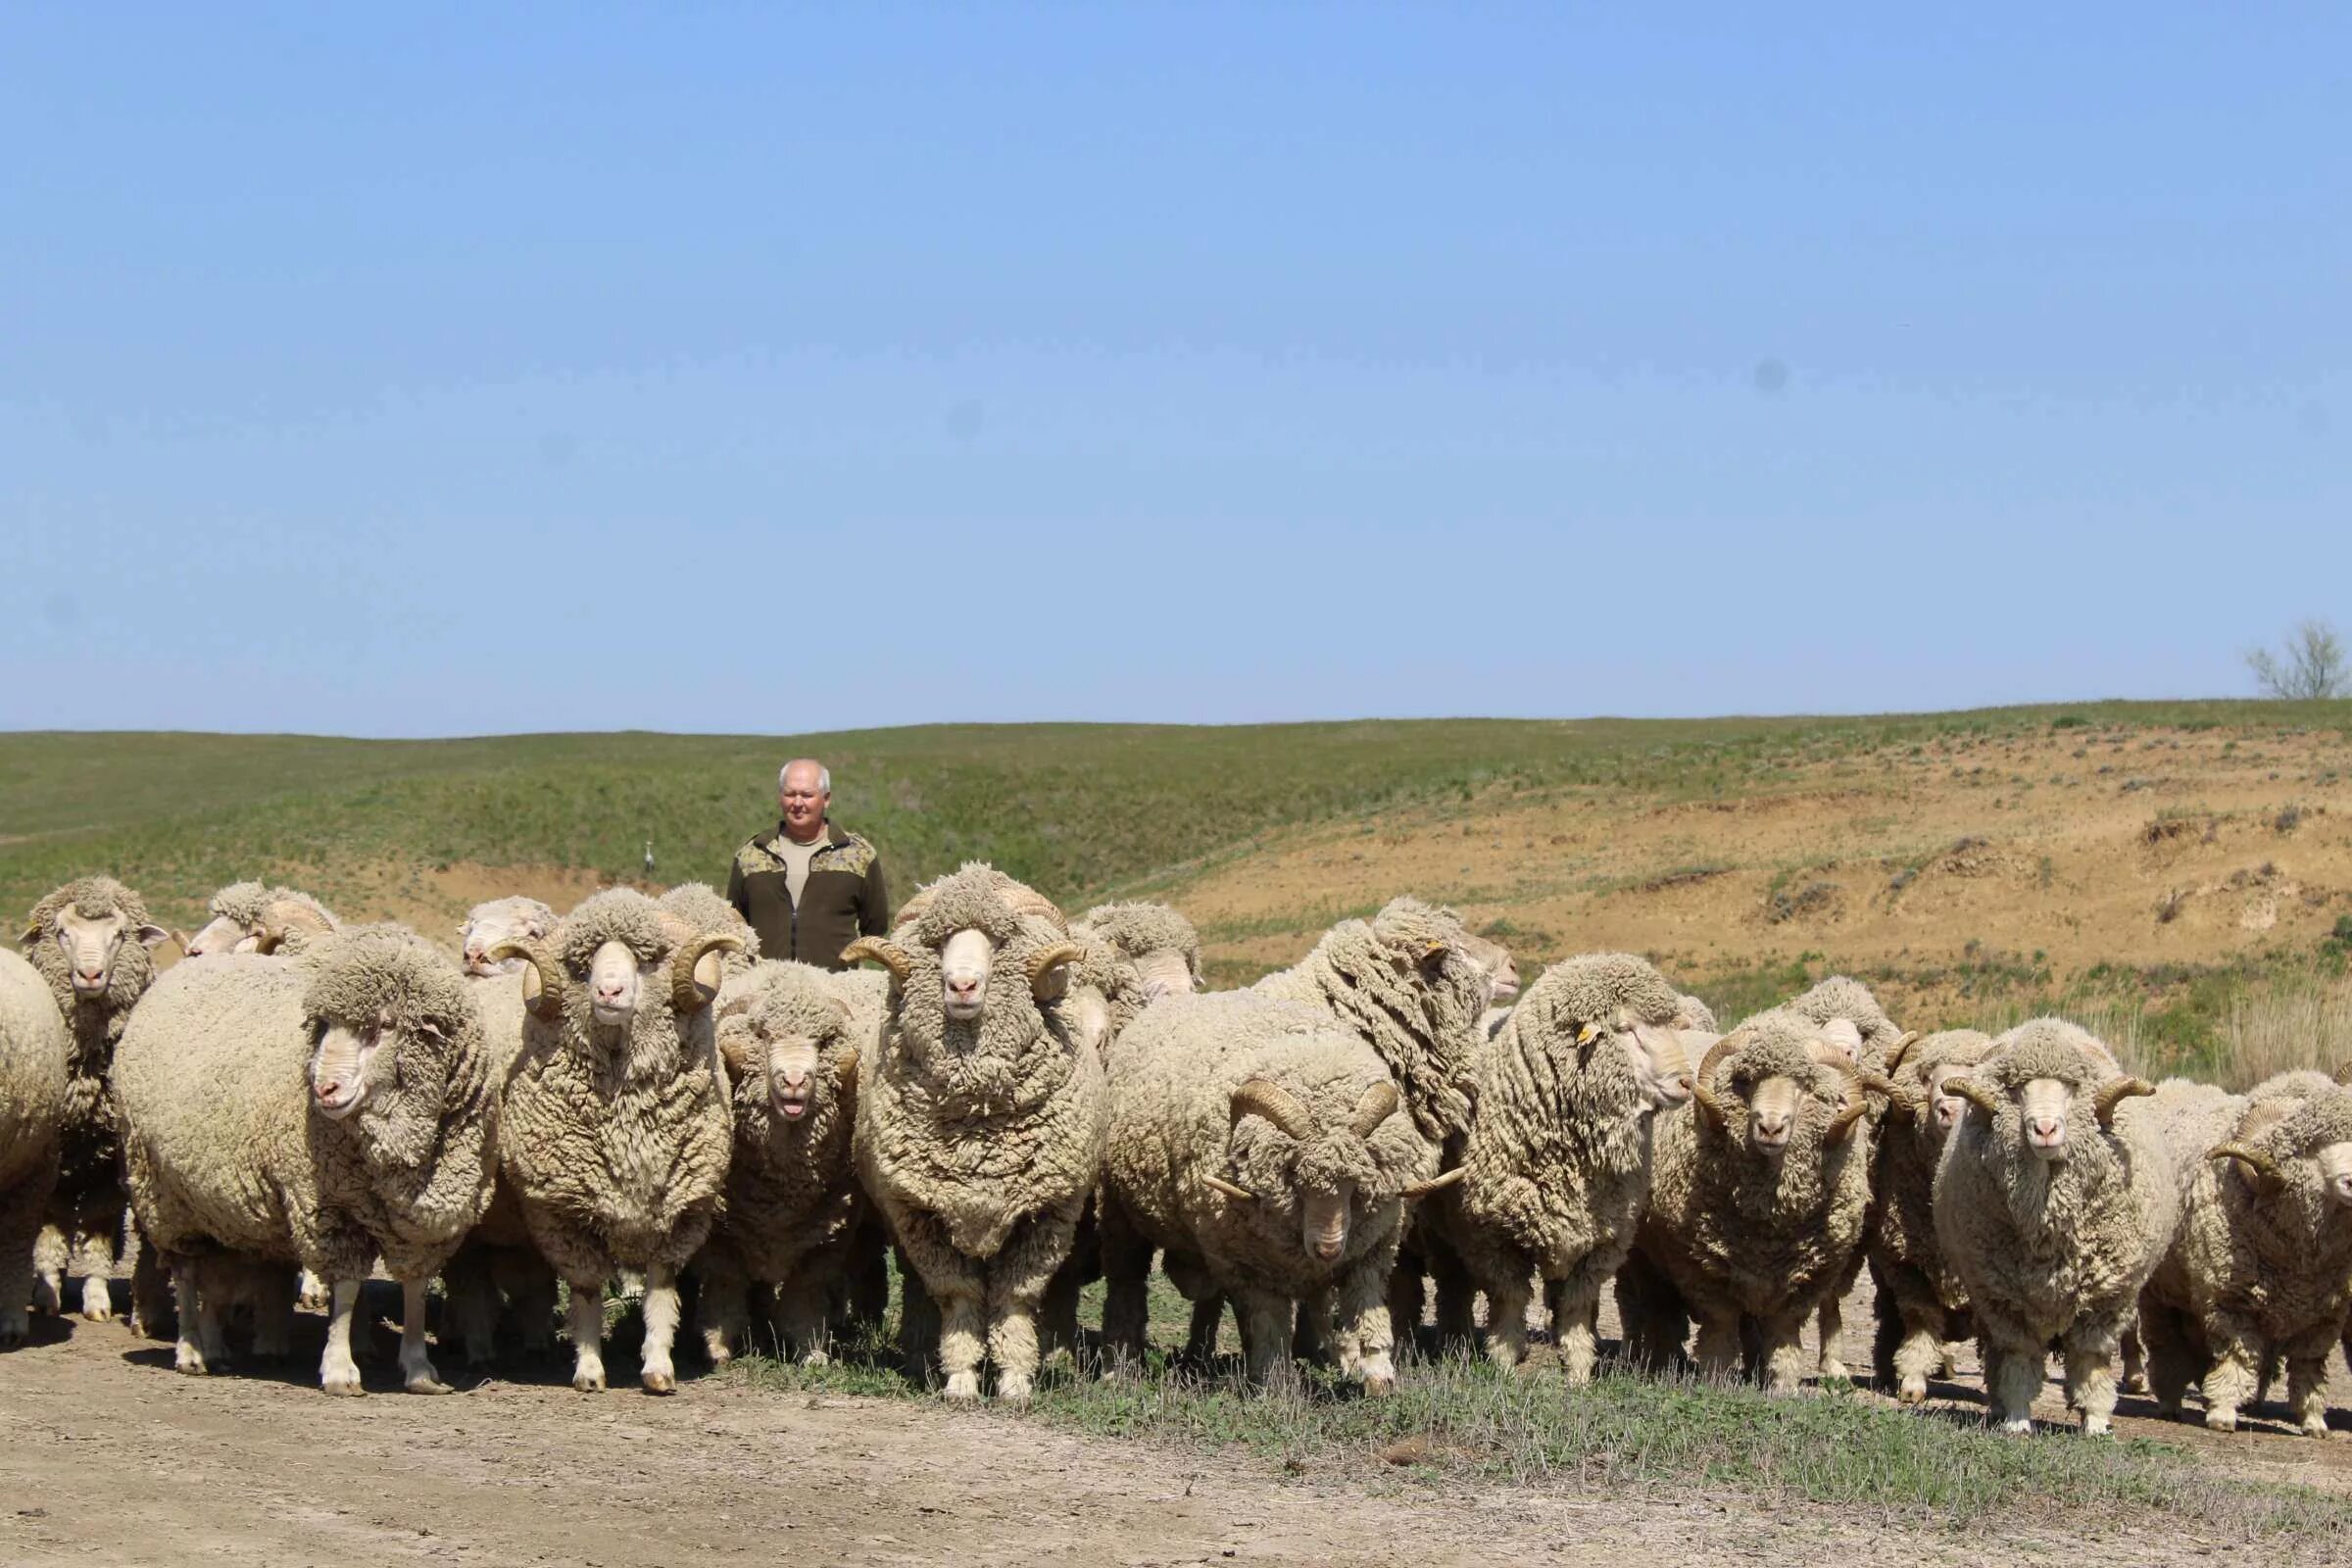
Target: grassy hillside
2144	857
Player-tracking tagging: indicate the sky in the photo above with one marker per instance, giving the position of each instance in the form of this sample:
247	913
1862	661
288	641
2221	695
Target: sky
478	369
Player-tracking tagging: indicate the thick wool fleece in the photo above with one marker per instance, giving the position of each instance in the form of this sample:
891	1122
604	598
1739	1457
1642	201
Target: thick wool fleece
1404	984
615	1140
2257	1268
1696	1014
1921	1300
706	909
223	1146
1838	997
1172	1125
499	1254
1128	945
33	1050
240	903
792	1200
979	1124
2052	1249
96	1024
1739	1235
1557	1162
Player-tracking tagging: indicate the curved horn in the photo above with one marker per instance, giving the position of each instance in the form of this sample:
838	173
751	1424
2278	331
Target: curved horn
1441	1179
845	1070
1379	1104
1835	1059
2113	1093
2254	1160
882	951
1027	901
540	992
1043	960
1900	1049
1976	1094
285	914
1703	1082
733	1052
1897	1094
1849	1116
1218	1184
1263	1097
686	992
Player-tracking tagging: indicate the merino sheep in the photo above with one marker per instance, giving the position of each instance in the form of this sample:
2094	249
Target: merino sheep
1269	1163
244	914
498	1259
979	1129
90	940
1922	1305
1136	954
1758	1199
1556	1167
793	1204
498	921
34	1053
2261	1263
2054	1212
385	1150
615	1124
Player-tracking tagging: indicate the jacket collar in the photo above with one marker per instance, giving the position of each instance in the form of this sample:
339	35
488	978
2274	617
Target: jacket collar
834	838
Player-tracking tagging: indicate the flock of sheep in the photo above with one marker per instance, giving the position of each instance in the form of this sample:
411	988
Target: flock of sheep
1018	1103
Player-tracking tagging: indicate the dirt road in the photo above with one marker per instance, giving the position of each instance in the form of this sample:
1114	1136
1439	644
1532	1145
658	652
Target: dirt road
107	1457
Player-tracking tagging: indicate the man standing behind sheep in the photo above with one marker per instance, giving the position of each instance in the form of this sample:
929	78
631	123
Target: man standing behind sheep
808	888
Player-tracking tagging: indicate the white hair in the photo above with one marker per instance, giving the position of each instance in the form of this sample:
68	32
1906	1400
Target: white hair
825	775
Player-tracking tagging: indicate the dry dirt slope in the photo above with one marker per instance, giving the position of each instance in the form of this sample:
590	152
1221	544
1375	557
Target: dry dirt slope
1930	866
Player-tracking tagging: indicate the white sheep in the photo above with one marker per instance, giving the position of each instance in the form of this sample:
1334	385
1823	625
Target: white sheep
33	1050
2054	1212
496	921
614	1128
385	1149
244	914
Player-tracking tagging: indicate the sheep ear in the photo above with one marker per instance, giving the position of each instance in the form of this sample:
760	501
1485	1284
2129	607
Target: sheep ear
153	936
435	1031
30	939
845	1071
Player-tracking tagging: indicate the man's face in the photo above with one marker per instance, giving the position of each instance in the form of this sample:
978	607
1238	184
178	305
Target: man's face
802	802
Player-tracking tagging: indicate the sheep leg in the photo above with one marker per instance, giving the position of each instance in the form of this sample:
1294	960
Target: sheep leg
1201	1335
1908	1348
2090	1358
1456	1296
1832	1318
417	1372
1017	1281
1266	1336
1574	1306
531	1289
49	1271
2307	1388
1362	1335
2176	1355
952	1283
338	1373
2012	1377
20	1233
311	1293
1057	1312
470	1305
1406	1297
802	1317
722	1313
1126	1291
2230	1375
2136	1360
585	1316
1505	1339
198	1337
1719	1349
151	1311
95	1261
273	1316
659	1373
1781	1351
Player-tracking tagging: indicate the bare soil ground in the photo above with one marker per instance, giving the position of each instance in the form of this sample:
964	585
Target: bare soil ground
2143	848
106	1456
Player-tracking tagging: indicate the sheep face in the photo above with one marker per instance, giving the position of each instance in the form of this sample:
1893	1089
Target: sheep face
1945	1103
963	929
1165	972
1322	1179
2043	1106
91	940
1841	1036
620	973
2044	1078
350	1064
616	977
1781	1079
2301	1146
501	921
393	1036
1658	1061
784	1040
1501	971
964	961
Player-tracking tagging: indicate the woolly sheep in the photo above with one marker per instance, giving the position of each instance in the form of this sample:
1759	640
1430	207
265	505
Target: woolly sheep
488	924
2054	1212
979	1129
33	1050
1556	1167
499	1258
1136	954
316	1110
90	940
793	1204
1758	1197
244	913
2261	1263
1921	1303
615	1125
1694	1016
1269	1163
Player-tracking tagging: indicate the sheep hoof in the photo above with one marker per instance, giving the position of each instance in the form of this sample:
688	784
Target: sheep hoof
191	1363
344	1386
817	1358
2220	1419
588	1382
1013	1388
2097	1426
426	1383
45	1295
2018	1426
1379	1384
659	1383
720	1355
962	1387
1833	1370
1913	1391
2316	1427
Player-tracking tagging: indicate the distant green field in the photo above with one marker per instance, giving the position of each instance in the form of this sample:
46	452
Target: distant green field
1079	810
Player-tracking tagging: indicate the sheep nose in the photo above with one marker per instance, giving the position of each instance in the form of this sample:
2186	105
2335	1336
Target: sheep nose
2046	1129
964	989
1772	1129
607	990
794	1078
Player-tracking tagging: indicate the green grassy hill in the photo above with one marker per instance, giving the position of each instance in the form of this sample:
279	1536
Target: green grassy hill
1079	810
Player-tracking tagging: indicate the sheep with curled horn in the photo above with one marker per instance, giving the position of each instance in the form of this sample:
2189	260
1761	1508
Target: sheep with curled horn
2260	1266
1556	1167
2054	1211
791	1222
1263	1151
1759	1193
979	1126
493	922
615	1128
250	918
1921	1303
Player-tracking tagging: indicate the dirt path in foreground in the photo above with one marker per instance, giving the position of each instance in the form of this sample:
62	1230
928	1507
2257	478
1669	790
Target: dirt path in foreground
107	1457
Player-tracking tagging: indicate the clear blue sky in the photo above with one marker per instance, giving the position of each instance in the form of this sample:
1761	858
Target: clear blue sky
451	369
